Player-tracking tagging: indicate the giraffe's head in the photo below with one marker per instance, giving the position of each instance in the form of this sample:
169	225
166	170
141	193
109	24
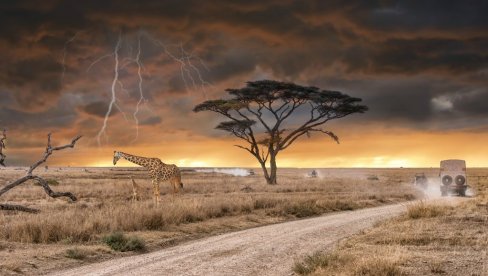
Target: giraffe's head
116	157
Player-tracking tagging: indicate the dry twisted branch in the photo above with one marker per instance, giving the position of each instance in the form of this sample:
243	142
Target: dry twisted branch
2	146
40	180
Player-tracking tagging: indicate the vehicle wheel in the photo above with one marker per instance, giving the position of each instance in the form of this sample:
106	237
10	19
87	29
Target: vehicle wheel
446	180
460	180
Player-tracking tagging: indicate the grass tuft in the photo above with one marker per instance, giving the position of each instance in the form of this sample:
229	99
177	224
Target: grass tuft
437	268
379	267
76	253
315	261
119	242
424	210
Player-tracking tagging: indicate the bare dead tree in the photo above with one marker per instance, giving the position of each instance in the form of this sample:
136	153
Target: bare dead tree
2	146
30	176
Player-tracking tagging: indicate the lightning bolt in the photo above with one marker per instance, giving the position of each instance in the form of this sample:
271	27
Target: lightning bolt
98	60
113	90
188	70
141	95
65	52
188	57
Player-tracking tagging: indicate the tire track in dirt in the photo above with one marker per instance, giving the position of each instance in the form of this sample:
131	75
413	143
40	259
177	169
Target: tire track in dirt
266	250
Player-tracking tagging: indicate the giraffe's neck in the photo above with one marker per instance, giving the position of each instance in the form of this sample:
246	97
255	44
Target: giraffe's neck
138	160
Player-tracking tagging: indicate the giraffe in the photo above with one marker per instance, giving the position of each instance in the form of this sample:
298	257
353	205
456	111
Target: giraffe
136	195
158	171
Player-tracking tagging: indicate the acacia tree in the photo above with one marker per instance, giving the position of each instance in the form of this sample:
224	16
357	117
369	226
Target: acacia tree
271	115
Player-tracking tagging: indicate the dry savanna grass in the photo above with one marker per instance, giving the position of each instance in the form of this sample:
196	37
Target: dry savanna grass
431	238
105	207
68	234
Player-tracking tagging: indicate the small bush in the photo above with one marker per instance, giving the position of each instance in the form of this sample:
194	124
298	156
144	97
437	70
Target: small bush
75	253
135	244
119	242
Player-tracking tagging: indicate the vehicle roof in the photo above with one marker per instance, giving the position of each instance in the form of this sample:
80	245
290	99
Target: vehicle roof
453	163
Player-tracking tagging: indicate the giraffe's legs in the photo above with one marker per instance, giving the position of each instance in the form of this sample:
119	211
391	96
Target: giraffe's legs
156	191
173	181
176	181
135	195
135	191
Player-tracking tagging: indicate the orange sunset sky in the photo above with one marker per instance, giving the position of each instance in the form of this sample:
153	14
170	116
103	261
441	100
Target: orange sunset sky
421	68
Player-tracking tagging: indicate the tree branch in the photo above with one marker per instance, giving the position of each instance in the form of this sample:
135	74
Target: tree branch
13	207
259	115
4	137
244	148
52	193
40	180
49	151
2	146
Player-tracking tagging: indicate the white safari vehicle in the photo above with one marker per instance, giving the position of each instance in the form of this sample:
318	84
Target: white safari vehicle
453	177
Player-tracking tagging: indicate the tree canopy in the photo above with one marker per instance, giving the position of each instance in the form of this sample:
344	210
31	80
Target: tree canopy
261	115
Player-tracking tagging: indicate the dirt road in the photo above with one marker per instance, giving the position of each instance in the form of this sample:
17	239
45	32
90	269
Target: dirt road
267	250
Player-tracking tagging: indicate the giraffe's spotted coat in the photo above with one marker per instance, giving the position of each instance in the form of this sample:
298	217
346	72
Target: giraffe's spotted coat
158	171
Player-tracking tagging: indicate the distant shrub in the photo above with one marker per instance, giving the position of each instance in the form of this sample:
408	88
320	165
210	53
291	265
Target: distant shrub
119	242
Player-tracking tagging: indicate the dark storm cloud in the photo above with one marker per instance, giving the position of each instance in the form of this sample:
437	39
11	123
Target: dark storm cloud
98	109
365	43
416	102
155	120
473	103
34	82
51	118
232	62
411	56
414	15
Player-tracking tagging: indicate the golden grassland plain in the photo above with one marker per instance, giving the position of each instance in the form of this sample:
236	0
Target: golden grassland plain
105	223
431	238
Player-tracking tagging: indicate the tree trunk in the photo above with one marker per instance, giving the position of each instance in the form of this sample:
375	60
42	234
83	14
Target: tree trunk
273	169
265	172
